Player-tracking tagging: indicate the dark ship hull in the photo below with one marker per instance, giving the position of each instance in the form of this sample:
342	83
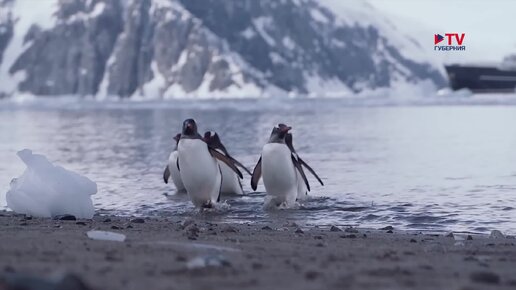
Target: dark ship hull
481	79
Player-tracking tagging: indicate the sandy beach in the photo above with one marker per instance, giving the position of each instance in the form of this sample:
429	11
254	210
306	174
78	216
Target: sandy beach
171	253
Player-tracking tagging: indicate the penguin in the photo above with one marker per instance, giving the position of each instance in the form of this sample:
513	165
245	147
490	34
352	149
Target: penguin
198	167
231	183
282	169
172	171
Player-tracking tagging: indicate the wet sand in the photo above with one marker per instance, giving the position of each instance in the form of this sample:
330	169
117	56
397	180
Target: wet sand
169	253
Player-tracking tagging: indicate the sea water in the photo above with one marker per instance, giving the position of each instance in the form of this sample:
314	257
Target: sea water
416	166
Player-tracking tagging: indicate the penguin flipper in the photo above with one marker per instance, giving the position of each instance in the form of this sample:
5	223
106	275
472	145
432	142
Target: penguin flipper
289	142
226	160
290	145
297	164
310	169
166	175
257	173
214	142
177	164
220	187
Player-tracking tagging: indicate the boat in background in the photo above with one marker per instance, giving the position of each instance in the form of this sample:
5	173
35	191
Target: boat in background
482	78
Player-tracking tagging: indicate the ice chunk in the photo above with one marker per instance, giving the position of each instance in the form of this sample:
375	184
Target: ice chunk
47	190
105	236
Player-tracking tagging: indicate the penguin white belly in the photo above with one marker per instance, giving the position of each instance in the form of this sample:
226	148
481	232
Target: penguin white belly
278	172
199	172
230	180
174	172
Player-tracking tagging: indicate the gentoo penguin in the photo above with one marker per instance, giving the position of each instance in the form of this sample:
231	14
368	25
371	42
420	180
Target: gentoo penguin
230	180
172	171
281	167
198	166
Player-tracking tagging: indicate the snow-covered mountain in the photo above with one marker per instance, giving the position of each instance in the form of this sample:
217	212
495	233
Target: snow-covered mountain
203	48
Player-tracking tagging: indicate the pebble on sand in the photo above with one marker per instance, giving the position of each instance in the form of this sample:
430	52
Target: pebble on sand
228	229
65	217
387	228
485	277
335	229
496	234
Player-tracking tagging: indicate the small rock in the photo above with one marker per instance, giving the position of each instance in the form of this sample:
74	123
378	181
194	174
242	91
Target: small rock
449	235
192	232
107	220
256	265
80	223
496	234
291	225
335	229
318	237
9	269
267	228
27	217
115	227
299	231
351	230
413	241
319	245
23	224
138	221
228	229
485	277
389	232
113	256
129	227
312	275
186	223
364	236
469	238
65	217
387	228
350	236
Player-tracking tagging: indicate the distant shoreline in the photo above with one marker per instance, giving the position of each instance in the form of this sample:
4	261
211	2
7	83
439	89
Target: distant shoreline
168	253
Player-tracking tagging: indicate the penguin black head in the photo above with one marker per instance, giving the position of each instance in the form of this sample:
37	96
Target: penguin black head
278	133
189	127
207	135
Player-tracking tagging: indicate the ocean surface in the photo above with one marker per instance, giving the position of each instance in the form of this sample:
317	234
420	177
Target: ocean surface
430	167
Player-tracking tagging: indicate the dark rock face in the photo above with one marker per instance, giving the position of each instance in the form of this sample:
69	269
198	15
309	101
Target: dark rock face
167	40
163	48
71	57
284	39
6	29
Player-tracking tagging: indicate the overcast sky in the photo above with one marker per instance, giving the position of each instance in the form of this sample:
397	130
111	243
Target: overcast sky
490	25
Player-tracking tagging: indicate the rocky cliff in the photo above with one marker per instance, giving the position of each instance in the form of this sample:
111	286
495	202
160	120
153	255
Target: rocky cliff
198	48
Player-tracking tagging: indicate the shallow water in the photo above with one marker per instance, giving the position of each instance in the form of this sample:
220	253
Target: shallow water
432	168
